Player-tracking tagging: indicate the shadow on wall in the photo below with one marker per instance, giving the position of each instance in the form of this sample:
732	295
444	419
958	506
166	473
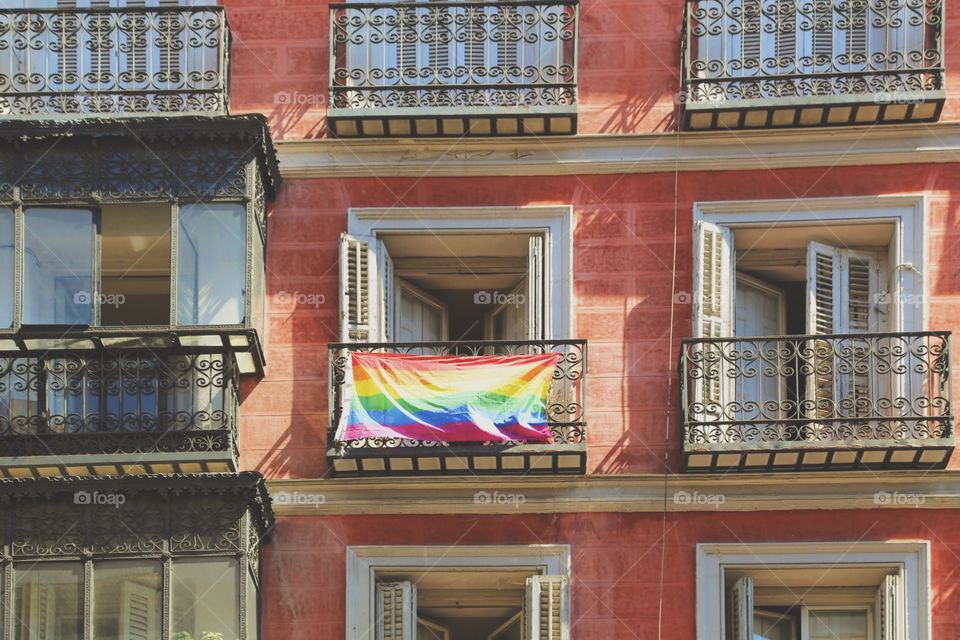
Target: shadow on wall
628	116
288	112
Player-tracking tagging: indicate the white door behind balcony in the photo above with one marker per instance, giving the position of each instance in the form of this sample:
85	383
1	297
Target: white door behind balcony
759	312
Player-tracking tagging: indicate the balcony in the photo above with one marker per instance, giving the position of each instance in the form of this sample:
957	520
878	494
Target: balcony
118	404
453	68
792	63
566	403
854	401
106	62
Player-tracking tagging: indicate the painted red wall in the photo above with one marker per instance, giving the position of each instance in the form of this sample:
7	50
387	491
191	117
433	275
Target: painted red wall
629	64
623	257
618	561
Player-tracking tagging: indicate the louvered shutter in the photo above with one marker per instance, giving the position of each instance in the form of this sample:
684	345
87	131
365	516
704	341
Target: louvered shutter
388	288
509	39
752	37
823	35
890	610
713	313
475	41
170	41
536	290
841	291
67	37
546	608
396	611
785	45
138	612
361	288
408	42
855	32
741	609
438	37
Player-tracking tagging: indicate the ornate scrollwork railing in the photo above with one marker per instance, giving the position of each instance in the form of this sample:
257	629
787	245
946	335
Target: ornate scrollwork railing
117	402
782	49
454	54
106	61
566	400
826	389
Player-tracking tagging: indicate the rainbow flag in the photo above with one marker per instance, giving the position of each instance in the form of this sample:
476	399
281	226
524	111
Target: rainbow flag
448	398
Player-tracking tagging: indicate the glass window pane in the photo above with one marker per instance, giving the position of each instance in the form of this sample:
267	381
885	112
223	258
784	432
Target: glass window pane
838	625
48	602
128	599
135	265
211	264
58	266
7	235
206	595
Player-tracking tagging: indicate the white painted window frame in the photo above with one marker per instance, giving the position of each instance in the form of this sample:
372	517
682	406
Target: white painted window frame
364	562
907	212
555	222
910	558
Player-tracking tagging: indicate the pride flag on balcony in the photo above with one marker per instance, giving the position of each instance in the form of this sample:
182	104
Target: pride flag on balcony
448	398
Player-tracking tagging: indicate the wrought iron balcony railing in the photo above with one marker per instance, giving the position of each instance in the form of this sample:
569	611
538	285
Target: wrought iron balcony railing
785	63
118	410
826	401
566	417
106	62
453	68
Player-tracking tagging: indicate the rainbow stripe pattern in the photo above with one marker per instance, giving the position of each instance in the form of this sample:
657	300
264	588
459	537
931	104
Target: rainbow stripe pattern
448	398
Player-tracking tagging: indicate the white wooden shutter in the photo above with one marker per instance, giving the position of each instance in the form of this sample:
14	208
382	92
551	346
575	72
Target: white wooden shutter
752	37
138	612
546	608
842	286
360	319
713	281
536	290
509	42
43	618
396	611
855	32
890	610
786	37
388	289
741	609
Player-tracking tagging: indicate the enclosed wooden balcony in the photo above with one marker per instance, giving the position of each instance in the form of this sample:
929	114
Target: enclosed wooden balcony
109	62
853	401
565	412
797	63
453	68
119	404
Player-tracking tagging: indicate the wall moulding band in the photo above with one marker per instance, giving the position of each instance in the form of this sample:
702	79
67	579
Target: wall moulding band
611	154
647	493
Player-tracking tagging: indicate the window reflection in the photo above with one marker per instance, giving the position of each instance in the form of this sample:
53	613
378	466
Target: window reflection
205	598
58	266
7	236
211	264
48	601
128	599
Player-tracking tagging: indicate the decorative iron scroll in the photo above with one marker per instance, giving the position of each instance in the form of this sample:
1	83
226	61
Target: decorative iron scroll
91	62
114	402
758	49
817	389
566	400
454	54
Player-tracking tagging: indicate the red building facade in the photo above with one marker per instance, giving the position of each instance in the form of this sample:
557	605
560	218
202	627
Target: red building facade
635	180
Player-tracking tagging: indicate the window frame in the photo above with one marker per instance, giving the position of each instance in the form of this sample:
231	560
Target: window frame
908	245
253	234
363	563
553	222
910	558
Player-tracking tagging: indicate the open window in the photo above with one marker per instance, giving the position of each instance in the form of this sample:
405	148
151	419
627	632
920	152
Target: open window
485	604
425	287
761	284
